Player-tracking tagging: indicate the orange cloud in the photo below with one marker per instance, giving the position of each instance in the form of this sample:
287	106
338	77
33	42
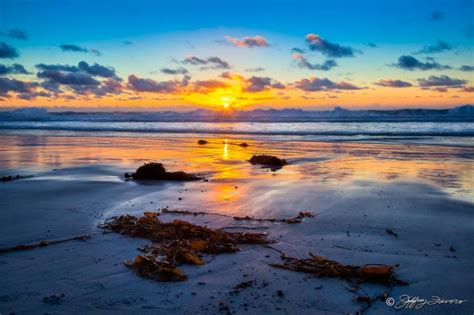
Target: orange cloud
248	41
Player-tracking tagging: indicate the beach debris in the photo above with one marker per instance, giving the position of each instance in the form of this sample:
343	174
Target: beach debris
151	268
391	232
43	243
452	249
202	142
9	178
267	160
176	243
322	267
280	293
53	299
368	300
157	171
297	219
204	239
244	285
224	307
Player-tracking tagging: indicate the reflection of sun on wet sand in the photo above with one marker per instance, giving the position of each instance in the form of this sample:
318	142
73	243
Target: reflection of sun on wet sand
357	191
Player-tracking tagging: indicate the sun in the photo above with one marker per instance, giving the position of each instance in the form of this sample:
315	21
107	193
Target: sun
226	101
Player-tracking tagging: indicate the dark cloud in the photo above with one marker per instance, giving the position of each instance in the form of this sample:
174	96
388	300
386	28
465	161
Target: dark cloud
278	85
95	52
193	60
207	86
394	83
440	46
109	86
258	84
411	63
179	70
466	68
332	50
12	85
469	89
441	81
324	84
51	86
226	75
15	33
34	94
258	69
97	70
436	16
13	69
68	78
297	50
248	41
150	85
7	51
372	45
304	63
76	48
209	63
57	67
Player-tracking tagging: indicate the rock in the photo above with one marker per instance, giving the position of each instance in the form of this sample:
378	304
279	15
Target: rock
157	171
53	299
268	160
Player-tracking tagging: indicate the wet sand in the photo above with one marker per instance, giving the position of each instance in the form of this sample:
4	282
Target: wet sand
356	190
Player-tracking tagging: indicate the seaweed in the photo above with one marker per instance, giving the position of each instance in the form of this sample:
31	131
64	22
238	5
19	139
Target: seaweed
297	219
151	268
43	243
176	243
157	171
320	266
267	160
9	178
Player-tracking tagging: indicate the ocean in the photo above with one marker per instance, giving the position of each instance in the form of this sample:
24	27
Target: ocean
442	133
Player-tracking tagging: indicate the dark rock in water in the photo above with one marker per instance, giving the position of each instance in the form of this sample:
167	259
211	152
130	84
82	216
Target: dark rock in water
243	144
391	232
269	160
10	178
202	142
53	299
156	171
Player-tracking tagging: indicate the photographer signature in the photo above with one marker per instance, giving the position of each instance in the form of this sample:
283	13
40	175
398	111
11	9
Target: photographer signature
415	302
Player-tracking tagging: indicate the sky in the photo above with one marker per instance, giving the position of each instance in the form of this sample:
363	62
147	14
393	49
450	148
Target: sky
180	55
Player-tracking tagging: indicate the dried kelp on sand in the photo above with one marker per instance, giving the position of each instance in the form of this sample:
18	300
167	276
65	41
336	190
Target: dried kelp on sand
322	267
176	243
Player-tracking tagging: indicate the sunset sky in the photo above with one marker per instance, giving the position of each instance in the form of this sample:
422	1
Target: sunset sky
236	54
